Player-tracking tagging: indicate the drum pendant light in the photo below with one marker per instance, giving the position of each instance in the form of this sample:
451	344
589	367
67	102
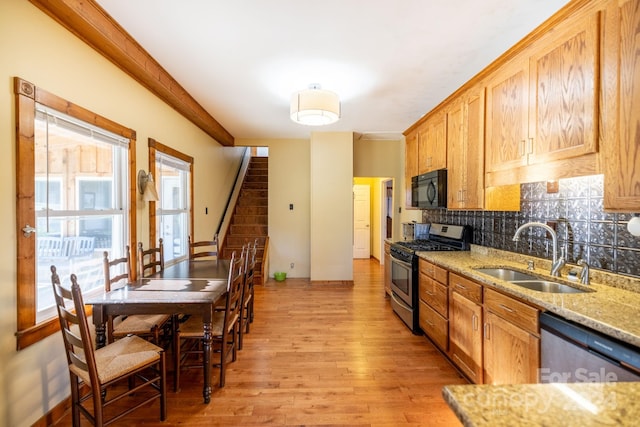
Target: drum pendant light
315	106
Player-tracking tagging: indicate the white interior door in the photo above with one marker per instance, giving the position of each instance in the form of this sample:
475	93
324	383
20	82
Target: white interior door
361	221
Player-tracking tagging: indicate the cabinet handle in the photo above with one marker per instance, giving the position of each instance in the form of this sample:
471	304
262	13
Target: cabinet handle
505	308
523	148
474	322
530	146
429	323
459	286
429	293
486	332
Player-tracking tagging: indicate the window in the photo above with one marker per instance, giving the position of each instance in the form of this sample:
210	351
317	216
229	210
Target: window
173	212
74	187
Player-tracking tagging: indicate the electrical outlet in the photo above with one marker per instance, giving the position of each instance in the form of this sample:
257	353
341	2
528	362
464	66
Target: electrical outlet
292	265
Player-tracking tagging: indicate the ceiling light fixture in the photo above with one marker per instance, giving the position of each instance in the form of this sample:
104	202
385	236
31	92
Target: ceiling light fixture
315	106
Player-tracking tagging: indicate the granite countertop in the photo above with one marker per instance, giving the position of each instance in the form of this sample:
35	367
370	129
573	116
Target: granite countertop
580	405
611	307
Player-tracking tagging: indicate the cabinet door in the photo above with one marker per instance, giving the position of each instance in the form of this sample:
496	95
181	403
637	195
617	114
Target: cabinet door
511	355
457	154
432	148
465	336
410	163
473	195
507	116
621	124
563	116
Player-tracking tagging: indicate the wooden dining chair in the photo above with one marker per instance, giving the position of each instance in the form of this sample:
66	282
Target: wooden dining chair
118	272
150	261
204	248
246	316
92	372
224	329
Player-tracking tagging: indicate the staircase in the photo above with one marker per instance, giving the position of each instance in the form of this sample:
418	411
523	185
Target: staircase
250	215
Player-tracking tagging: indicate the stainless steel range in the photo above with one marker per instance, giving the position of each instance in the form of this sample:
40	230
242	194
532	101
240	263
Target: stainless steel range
404	266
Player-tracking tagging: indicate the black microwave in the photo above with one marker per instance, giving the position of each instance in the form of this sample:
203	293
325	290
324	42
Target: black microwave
429	190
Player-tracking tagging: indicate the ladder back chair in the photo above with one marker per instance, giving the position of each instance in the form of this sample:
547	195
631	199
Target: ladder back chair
93	371
246	316
203	248
118	272
150	261
224	329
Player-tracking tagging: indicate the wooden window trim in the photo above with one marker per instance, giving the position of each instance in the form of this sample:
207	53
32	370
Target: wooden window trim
155	146
26	97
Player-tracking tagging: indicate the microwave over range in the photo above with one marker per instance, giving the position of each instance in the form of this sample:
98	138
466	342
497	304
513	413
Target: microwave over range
429	190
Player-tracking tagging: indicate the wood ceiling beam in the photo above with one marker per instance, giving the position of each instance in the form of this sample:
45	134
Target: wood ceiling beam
92	24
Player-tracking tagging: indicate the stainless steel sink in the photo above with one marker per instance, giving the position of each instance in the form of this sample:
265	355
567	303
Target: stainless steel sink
529	281
506	274
548	287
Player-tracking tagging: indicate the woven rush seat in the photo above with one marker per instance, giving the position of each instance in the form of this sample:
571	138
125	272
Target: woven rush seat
139	324
121	358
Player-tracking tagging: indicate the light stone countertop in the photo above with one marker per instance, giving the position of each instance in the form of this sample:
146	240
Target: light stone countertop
611	308
567	405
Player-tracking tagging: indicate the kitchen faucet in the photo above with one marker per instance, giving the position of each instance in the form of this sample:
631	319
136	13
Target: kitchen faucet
557	263
584	273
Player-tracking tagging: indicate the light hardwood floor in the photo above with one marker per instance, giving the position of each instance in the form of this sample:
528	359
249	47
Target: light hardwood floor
320	355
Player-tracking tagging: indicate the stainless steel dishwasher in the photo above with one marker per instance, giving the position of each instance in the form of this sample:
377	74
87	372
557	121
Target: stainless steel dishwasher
571	353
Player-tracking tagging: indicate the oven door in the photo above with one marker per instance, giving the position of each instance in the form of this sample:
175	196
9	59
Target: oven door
402	280
403	295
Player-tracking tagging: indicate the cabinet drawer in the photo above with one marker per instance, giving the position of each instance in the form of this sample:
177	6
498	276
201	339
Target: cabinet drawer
435	294
434	326
516	312
469	289
433	271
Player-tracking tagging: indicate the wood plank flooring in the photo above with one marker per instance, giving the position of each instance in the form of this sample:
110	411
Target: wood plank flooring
320	355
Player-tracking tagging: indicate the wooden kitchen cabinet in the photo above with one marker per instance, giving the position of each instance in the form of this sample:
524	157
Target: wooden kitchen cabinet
542	107
387	268
465	326
432	144
465	151
433	311
621	109
511	340
410	163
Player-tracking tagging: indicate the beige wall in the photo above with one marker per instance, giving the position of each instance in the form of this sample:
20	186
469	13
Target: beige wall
331	242
36	48
288	184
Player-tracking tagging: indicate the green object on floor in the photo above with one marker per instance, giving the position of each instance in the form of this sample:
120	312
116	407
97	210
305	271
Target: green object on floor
280	276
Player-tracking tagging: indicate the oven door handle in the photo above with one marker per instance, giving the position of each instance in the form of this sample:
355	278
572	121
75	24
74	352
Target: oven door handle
402	263
399	302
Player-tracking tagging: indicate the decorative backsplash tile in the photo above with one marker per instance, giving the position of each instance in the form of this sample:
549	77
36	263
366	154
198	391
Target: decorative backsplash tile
583	227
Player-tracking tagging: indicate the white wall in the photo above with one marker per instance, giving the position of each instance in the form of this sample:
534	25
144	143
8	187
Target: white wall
36	48
331	206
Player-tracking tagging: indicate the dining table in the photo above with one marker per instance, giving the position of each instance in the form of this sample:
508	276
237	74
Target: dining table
187	289
196	269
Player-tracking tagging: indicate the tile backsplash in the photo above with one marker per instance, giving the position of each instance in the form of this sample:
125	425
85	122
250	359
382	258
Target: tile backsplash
584	228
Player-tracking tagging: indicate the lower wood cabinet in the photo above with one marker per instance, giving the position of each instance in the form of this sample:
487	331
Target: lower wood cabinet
511	340
433	310
491	337
465	326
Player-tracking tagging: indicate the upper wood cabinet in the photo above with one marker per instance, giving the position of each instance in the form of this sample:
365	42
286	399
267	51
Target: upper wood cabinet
432	144
542	106
465	151
621	109
410	163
